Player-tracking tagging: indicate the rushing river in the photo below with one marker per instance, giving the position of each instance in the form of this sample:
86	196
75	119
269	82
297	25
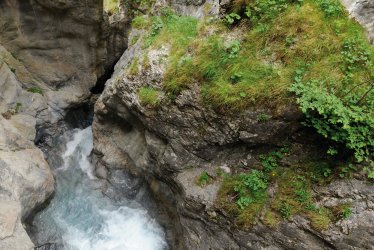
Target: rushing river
80	217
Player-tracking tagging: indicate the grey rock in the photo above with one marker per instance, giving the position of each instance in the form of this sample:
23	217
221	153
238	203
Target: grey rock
363	12
60	45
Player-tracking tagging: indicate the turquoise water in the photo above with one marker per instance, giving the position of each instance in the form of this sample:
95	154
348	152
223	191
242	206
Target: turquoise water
80	217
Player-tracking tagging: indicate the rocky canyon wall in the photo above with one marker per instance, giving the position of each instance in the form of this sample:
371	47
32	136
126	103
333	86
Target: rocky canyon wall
51	54
171	145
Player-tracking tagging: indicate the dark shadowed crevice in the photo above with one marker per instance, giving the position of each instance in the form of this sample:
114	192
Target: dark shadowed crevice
80	116
100	84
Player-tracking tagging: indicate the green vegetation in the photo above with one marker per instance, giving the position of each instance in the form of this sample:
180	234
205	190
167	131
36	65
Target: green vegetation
250	191
259	68
140	22
133	40
18	107
343	211
35	90
263	117
322	57
133	68
246	195
204	179
111	6
342	115
231	18
149	96
271	219
347	171
308	49
251	188
346	213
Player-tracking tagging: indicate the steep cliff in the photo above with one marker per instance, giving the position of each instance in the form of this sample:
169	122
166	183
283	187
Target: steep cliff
59	44
194	139
51	54
26	179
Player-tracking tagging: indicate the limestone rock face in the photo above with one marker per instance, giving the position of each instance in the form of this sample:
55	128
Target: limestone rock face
25	177
58	42
363	12
171	145
51	53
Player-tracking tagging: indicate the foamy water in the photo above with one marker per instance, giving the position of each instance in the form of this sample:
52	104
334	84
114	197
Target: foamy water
84	218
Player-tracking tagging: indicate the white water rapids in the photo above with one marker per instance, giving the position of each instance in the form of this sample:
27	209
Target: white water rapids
84	218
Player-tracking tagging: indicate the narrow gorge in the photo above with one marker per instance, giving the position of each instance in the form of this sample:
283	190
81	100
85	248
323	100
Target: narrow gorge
186	124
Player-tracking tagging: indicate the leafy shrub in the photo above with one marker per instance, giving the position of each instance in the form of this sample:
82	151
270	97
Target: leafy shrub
285	210
343	122
269	163
347	171
343	113
250	187
331	8
233	49
231	18
370	170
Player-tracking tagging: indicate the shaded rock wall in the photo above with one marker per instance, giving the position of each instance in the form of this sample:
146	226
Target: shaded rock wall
51	54
60	44
25	177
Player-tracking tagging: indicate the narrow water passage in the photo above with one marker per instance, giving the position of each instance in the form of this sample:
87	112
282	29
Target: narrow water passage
80	217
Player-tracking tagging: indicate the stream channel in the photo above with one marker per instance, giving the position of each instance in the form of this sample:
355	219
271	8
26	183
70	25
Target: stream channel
80	216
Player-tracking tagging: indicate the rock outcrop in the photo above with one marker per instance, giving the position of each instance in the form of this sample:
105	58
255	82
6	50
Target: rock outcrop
51	54
363	12
60	43
25	177
171	144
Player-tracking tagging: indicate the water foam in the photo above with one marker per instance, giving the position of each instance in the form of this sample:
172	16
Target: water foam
84	218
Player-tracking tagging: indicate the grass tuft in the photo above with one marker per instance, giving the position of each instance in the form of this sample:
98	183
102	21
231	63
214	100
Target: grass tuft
35	90
149	96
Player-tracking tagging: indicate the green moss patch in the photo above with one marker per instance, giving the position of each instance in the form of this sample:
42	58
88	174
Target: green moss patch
149	96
